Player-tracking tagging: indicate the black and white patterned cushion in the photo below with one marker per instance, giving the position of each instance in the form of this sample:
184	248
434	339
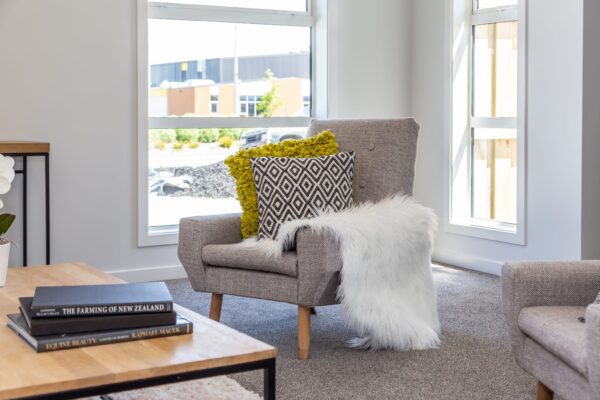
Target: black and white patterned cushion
295	188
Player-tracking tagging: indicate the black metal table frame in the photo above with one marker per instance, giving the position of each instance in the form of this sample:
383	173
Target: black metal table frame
23	171
267	365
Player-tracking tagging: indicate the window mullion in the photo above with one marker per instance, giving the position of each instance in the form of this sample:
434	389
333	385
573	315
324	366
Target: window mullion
495	16
225	122
494	122
190	12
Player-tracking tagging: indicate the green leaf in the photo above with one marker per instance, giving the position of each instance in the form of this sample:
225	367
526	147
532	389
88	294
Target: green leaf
6	221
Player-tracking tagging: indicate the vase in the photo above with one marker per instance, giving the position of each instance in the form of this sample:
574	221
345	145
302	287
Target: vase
4	252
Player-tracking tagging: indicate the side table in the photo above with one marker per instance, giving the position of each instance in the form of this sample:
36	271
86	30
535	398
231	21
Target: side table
23	150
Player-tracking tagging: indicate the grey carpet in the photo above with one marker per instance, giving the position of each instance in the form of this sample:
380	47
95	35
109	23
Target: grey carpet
473	362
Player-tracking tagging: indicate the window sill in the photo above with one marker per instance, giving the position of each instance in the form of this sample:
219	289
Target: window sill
159	237
499	232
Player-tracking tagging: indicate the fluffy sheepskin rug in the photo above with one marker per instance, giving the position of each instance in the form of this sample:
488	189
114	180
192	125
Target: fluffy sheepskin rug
386	286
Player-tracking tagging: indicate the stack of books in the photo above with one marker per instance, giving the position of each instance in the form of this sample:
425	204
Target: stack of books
65	317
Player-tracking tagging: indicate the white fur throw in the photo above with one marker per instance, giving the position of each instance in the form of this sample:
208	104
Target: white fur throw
386	286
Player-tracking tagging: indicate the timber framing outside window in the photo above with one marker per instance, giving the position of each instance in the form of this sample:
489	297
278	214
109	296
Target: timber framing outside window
487	138
215	76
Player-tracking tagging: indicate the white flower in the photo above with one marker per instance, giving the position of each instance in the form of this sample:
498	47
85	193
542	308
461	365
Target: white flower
7	173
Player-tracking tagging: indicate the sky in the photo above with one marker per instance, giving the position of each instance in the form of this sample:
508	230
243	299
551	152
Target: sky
176	40
291	5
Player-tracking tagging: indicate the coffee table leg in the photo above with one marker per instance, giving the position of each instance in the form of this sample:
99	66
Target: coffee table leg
269	380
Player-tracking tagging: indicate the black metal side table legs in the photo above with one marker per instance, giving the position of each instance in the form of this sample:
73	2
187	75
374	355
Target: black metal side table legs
23	172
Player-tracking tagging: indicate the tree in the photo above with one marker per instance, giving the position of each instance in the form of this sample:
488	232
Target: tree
269	101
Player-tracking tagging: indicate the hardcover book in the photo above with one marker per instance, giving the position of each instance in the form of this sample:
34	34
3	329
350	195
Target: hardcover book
60	342
126	298
57	326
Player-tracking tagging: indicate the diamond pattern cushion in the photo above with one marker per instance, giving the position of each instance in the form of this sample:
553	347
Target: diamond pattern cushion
296	188
240	169
557	329
239	255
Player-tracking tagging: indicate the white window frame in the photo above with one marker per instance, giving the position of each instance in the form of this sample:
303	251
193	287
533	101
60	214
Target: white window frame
462	15
315	17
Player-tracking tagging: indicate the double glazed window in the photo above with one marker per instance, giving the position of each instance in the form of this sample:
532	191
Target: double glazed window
221	75
487	115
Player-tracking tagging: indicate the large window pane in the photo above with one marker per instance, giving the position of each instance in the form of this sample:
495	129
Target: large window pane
481	4
227	70
494	191
495	70
286	5
187	175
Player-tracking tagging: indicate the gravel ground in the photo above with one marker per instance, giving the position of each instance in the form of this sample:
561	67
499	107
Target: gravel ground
209	181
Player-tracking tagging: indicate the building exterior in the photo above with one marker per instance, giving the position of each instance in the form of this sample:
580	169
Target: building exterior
206	87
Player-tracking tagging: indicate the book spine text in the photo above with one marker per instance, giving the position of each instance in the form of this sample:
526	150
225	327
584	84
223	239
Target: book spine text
113	337
75	311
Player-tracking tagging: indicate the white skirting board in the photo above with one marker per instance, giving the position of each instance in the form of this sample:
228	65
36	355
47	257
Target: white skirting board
146	274
164	273
462	260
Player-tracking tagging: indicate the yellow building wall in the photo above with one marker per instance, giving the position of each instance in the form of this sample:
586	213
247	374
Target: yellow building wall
196	100
289	92
202	100
191	100
180	101
225	106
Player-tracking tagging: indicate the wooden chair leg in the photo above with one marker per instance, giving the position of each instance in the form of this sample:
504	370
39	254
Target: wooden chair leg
216	301
544	392
313	311
303	332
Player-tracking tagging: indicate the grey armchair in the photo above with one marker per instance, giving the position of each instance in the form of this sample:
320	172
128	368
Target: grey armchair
542	302
309	276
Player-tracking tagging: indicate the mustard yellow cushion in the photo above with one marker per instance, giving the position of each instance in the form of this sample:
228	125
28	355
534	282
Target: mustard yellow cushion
323	144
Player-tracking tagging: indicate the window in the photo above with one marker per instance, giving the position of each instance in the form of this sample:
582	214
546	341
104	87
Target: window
487	112
214	104
248	105
215	76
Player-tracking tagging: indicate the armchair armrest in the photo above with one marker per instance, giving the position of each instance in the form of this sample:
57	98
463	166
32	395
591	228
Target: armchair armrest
197	232
319	263
592	327
545	283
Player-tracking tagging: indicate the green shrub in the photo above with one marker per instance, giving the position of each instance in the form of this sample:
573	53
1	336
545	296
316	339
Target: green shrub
226	141
208	135
230	132
167	135
186	135
161	135
177	145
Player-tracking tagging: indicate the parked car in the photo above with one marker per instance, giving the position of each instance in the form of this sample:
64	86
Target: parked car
258	137
253	138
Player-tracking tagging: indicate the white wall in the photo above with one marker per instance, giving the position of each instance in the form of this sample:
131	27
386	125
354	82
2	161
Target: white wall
68	76
370	58
554	140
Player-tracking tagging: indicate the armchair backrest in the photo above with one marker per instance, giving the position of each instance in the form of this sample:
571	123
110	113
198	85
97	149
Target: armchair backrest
385	151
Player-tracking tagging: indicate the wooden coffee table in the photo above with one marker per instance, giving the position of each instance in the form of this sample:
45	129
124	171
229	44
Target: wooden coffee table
213	349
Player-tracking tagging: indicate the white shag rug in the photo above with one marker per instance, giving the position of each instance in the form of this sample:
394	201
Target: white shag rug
386	285
217	388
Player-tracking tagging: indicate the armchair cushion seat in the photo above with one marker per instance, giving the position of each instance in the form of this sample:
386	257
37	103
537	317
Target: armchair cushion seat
557	329
239	255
